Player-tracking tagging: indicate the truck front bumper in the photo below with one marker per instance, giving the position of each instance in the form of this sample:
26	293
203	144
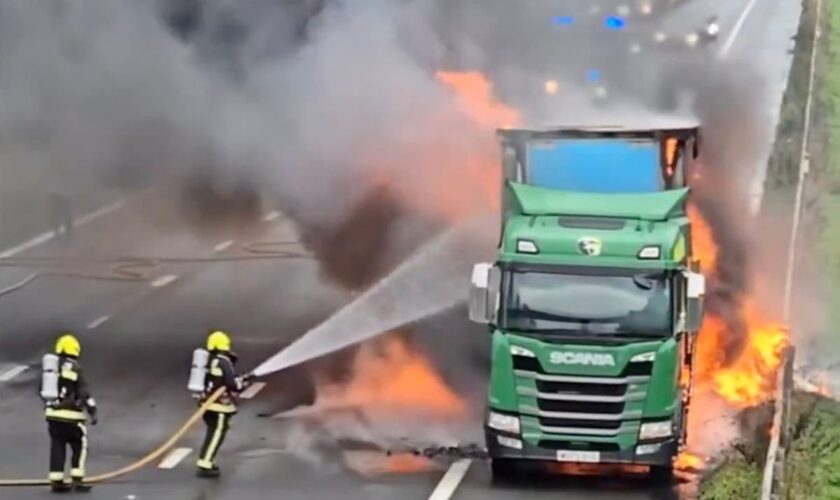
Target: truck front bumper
663	455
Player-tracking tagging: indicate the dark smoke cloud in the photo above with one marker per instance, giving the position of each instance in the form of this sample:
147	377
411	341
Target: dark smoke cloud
303	103
728	102
311	104
306	103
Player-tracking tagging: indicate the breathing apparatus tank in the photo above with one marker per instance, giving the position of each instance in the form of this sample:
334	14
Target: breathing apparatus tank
49	377
198	371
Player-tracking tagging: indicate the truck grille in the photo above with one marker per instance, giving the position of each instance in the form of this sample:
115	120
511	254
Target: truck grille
580	423
579	406
581	388
571	403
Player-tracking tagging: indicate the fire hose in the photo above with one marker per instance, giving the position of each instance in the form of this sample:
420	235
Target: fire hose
139	464
130	268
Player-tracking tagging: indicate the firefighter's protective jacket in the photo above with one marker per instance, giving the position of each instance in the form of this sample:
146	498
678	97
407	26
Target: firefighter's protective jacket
74	397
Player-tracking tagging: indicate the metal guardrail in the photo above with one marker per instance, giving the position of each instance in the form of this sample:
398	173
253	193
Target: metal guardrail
780	434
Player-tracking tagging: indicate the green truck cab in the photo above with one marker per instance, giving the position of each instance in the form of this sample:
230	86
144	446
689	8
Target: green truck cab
594	301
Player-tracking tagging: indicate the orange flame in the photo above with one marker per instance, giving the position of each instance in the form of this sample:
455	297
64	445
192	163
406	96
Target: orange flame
750	378
388	377
475	95
688	461
372	463
452	170
451	165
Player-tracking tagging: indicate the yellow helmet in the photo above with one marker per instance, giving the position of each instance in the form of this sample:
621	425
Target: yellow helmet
218	341
69	345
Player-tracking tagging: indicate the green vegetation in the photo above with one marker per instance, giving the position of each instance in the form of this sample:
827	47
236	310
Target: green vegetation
737	477
739	474
826	154
812	467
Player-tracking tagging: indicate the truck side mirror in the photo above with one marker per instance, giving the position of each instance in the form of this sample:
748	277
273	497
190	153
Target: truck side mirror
696	285
484	293
696	290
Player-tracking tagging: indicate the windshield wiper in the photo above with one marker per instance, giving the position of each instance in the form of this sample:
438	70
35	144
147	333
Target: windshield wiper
644	335
646	281
534	314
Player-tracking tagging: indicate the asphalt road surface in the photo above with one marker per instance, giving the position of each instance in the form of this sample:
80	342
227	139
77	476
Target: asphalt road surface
138	336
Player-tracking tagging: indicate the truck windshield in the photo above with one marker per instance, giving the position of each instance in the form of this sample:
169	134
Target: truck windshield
589	304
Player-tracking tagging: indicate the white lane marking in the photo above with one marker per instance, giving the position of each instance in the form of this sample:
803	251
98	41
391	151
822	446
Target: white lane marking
252	391
12	372
174	458
97	322
221	247
450	481
48	235
164	280
158	283
270	216
736	30
17	286
100	212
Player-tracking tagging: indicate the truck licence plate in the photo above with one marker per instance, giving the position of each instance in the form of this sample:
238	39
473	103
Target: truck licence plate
578	456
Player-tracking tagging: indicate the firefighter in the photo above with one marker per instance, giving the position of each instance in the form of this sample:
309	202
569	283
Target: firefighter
221	372
66	399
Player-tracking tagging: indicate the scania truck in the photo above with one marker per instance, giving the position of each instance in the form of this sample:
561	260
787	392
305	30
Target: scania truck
595	299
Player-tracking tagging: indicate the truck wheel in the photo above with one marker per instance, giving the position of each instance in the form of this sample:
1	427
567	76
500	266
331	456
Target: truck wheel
663	474
503	469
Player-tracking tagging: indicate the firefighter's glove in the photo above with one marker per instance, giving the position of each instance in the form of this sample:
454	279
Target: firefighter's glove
244	382
94	420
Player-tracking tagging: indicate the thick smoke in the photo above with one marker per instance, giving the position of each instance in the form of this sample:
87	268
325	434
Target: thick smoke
734	142
330	111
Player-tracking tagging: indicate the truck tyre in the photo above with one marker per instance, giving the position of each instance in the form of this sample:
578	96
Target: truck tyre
662	474
503	469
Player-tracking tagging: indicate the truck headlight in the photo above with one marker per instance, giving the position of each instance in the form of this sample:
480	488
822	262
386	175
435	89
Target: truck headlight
526	246
649	252
656	430
521	351
504	423
648	449
514	443
645	356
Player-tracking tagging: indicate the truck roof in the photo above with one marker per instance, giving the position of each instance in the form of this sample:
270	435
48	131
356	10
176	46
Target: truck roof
558	223
657	206
569	241
672	126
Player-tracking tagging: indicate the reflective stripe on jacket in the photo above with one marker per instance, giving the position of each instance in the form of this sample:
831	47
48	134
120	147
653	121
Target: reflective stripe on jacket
74	397
221	373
